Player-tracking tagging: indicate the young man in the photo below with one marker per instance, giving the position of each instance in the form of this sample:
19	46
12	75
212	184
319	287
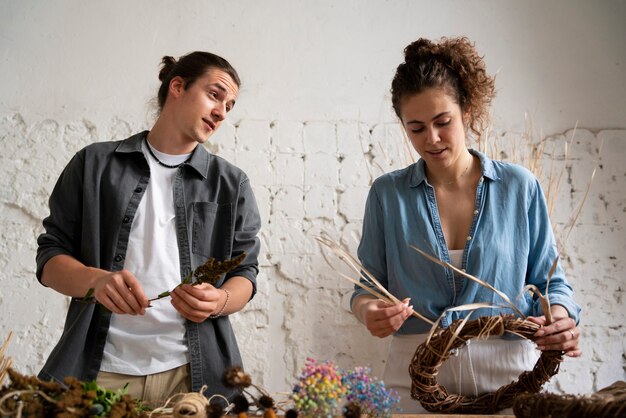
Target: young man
130	219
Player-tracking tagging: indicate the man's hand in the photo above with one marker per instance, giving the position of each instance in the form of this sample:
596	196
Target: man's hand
198	302
121	293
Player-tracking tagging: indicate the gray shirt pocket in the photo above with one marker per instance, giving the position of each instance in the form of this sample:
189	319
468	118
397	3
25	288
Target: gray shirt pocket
212	230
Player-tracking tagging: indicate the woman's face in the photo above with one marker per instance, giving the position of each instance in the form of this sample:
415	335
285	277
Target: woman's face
433	121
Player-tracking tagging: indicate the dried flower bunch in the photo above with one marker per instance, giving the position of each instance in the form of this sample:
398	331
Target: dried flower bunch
248	401
208	272
367	394
236	378
323	389
319	389
29	396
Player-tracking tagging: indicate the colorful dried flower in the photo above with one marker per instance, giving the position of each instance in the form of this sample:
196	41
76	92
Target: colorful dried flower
319	389
369	393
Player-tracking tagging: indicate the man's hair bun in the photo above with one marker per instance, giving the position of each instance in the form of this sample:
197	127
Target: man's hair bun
168	64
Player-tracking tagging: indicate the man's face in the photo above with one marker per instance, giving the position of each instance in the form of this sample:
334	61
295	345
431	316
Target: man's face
201	107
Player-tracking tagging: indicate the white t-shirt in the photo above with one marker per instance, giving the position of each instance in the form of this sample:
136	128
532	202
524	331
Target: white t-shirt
155	342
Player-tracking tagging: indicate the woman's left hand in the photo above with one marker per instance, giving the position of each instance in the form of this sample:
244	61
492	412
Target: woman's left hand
561	334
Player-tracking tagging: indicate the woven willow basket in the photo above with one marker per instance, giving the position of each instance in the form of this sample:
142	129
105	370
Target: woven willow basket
430	355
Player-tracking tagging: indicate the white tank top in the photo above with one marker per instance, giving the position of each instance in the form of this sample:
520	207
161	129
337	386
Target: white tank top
456	258
155	342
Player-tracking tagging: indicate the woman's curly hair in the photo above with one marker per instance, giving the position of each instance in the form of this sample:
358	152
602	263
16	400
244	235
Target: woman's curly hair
452	64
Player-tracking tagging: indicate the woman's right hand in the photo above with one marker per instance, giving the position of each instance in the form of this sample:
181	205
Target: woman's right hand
382	319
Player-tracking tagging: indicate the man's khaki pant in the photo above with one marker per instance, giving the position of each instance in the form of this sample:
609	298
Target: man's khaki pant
153	389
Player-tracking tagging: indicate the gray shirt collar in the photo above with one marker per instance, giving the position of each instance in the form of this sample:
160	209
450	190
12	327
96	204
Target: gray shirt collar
199	161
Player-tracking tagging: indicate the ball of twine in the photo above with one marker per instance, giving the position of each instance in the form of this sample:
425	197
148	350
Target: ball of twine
431	354
192	405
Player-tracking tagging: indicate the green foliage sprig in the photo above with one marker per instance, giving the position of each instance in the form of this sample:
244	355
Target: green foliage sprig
104	399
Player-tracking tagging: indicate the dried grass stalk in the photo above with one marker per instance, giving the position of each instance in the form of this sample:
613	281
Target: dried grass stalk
429	357
5	362
472	278
380	293
607	402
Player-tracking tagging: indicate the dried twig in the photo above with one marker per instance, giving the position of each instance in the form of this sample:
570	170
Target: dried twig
380	293
5	361
469	276
208	272
609	402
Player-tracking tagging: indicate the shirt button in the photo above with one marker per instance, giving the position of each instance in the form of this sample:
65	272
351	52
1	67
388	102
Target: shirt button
138	190
126	219
476	212
481	179
118	258
469	238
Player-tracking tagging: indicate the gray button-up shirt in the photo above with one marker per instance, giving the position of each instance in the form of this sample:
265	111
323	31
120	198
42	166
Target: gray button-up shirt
92	208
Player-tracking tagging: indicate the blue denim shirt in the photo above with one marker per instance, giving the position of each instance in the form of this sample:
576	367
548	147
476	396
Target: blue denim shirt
92	208
510	244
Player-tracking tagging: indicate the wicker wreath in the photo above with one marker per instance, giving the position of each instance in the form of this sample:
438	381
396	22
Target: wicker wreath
606	403
428	358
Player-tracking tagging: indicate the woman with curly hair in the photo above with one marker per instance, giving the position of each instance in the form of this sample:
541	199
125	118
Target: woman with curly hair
487	218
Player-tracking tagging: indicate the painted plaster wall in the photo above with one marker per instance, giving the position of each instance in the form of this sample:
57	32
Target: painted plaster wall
312	128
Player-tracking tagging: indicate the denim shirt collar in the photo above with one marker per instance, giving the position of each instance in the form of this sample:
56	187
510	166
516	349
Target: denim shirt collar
199	158
418	174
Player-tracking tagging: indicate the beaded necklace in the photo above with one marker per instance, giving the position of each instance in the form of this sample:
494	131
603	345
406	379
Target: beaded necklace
161	162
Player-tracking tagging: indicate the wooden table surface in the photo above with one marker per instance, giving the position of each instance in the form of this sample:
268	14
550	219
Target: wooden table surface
449	416
403	416
393	416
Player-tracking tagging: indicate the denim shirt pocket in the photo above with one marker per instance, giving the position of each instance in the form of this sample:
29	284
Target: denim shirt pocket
212	232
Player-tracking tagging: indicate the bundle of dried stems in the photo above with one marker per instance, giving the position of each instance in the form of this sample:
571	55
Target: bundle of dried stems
5	361
606	403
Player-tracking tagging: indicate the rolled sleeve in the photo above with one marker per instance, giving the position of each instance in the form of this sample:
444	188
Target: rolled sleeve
245	238
543	252
62	226
371	251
